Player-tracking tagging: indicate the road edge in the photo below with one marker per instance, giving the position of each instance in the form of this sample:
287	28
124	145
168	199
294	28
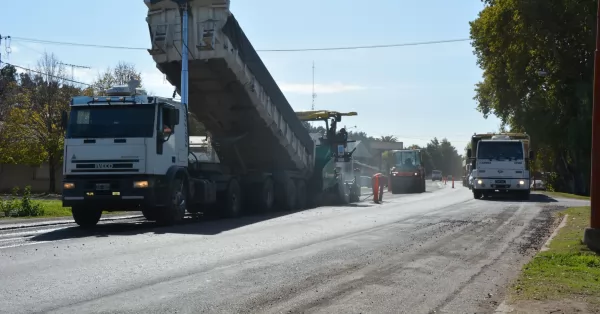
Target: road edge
56	222
504	307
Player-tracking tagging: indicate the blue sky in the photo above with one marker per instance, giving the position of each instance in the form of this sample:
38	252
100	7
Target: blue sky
413	92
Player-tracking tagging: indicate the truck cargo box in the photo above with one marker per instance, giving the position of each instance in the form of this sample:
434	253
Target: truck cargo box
230	90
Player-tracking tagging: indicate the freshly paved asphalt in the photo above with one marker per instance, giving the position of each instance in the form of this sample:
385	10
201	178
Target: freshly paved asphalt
437	251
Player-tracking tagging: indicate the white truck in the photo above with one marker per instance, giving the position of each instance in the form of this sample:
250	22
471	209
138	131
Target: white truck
128	150
501	164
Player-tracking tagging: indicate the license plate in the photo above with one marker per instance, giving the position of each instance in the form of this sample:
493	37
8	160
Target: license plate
500	181
102	186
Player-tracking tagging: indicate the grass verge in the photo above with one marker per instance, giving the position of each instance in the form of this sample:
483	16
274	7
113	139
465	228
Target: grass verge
51	209
567	195
568	271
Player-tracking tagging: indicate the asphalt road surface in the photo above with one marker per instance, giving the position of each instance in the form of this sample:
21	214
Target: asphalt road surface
437	251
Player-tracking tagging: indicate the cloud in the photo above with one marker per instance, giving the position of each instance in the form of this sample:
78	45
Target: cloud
332	88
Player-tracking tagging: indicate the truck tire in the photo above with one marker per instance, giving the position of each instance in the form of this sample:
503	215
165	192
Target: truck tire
232	203
149	213
286	194
301	195
267	196
86	217
175	203
523	195
477	194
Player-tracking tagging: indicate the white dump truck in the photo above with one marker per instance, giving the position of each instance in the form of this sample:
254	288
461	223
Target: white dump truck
129	150
501	164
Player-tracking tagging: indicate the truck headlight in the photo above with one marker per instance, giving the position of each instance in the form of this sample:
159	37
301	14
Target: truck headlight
522	182
479	182
68	185
416	174
140	184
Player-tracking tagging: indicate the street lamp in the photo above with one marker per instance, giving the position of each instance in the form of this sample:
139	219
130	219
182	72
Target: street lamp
591	236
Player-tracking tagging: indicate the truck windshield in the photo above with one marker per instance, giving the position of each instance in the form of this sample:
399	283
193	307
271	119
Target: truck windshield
436	172
407	159
111	121
500	150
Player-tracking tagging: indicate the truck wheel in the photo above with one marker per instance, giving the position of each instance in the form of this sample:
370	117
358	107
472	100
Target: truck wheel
149	213
267	195
176	203
524	196
232	204
301	195
86	217
477	194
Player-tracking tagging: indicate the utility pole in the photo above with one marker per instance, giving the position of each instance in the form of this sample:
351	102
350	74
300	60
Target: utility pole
591	235
73	66
7	44
313	87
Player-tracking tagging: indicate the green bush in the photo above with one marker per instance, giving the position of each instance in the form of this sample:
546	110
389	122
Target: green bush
21	206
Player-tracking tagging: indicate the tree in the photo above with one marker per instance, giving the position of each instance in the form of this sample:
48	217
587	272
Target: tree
33	126
8	88
389	139
121	74
537	58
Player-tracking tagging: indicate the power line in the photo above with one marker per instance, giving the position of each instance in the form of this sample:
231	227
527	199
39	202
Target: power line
63	43
421	43
46	74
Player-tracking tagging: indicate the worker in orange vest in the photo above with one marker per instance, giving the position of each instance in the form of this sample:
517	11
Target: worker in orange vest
378	180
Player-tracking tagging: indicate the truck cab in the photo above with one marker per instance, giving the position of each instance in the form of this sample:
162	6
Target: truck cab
501	165
119	151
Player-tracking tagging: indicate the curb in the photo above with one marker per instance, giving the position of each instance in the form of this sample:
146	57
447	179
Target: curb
60	222
504	307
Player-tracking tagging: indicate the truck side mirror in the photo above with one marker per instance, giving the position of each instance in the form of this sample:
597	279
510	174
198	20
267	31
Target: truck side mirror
531	155
469	153
64	119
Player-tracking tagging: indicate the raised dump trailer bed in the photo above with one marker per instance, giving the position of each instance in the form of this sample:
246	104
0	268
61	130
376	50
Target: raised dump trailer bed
253	127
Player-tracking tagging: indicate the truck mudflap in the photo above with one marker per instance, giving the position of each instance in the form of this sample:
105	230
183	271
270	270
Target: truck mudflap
111	193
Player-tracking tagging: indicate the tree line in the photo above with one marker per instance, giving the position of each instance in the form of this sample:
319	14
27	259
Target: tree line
32	102
537	58
437	154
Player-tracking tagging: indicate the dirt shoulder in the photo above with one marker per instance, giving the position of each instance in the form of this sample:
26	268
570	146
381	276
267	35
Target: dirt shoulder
564	278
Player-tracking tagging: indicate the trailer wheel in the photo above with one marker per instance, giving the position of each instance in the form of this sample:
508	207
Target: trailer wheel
267	195
290	197
232	203
86	217
176	203
301	195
